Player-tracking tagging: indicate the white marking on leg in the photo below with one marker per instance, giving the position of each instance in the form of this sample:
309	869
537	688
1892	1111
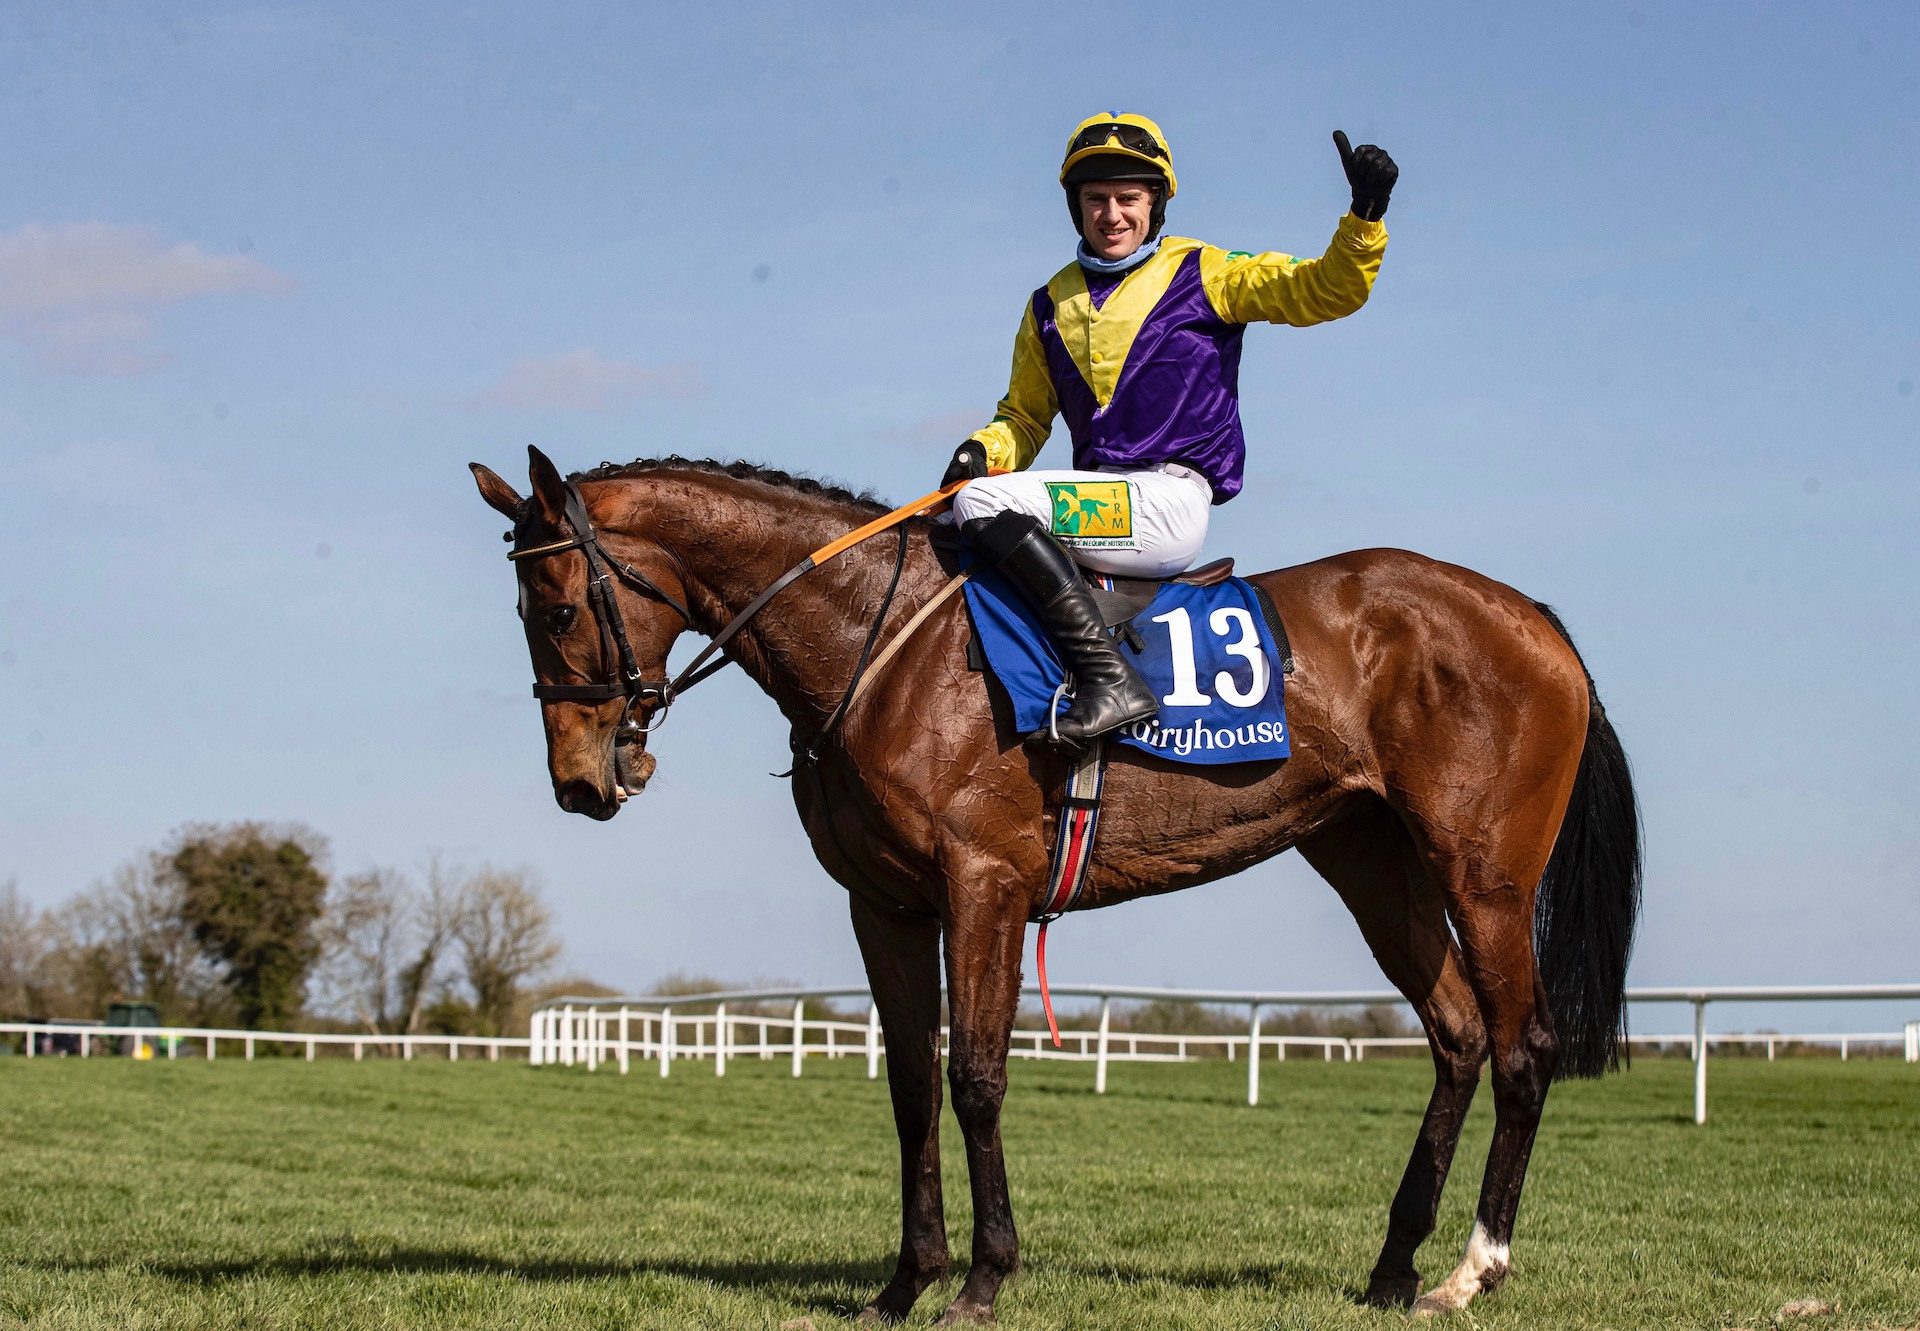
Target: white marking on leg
1484	1263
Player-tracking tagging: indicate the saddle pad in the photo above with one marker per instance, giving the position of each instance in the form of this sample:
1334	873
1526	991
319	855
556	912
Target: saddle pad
1206	651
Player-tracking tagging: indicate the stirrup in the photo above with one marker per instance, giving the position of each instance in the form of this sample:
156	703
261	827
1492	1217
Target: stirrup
1053	717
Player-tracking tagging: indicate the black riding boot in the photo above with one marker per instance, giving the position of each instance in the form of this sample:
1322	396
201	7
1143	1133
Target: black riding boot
1107	693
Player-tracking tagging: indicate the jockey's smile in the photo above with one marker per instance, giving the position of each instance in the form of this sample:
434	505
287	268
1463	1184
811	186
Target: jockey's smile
1115	217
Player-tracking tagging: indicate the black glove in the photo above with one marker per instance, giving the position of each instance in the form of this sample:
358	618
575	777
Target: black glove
1371	173
969	463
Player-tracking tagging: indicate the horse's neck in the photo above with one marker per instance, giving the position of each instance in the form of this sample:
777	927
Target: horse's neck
801	649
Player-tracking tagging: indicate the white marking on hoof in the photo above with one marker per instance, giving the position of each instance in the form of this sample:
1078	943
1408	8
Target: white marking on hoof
1483	1267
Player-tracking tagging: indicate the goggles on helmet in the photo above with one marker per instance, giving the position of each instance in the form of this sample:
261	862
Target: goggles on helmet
1131	137
1099	143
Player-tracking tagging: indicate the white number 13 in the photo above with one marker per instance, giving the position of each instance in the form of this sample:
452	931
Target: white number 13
1186	675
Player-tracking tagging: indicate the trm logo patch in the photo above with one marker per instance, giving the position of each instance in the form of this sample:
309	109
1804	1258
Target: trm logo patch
1092	510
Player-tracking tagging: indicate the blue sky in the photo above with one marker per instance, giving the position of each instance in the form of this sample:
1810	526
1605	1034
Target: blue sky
1645	345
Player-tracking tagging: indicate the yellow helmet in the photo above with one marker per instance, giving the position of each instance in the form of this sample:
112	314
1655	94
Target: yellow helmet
1133	139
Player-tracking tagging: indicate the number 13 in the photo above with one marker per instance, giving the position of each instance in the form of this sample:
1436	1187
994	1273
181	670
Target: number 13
1186	675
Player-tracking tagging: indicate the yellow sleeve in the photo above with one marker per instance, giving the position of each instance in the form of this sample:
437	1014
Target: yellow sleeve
1282	289
1026	413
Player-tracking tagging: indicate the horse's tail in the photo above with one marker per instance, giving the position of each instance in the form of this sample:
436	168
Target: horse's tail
1589	898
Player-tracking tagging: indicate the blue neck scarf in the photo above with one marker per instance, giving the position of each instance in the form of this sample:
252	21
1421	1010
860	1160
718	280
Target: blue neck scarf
1093	263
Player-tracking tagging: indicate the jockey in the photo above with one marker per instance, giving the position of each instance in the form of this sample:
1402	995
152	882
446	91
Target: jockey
1137	343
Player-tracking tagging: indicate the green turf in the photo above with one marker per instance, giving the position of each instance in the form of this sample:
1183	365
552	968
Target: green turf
282	1194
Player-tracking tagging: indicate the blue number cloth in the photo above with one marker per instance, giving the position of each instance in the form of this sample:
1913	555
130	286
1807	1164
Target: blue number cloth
1208	653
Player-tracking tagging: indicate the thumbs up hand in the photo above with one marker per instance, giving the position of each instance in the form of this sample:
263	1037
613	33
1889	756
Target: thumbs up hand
1371	173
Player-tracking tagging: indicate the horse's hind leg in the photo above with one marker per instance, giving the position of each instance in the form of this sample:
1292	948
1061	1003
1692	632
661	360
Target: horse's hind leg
1492	899
902	956
1371	861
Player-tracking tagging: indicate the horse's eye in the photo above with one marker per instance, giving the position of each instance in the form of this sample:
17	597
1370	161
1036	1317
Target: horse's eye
560	618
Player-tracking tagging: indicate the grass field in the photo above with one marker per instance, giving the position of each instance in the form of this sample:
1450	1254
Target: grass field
282	1194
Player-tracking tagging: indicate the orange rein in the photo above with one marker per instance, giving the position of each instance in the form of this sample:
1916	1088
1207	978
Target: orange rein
878	525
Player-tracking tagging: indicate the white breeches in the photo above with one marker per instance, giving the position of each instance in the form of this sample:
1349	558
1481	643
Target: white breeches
1132	524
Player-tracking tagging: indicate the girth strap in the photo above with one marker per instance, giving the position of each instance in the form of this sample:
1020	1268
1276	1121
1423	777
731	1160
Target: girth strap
1072	854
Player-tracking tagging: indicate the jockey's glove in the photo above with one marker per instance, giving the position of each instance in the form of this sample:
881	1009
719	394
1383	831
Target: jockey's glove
969	463
1371	173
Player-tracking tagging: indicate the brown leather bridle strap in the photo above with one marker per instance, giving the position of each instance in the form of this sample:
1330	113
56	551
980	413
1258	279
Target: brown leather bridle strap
810	752
907	630
628	682
551	548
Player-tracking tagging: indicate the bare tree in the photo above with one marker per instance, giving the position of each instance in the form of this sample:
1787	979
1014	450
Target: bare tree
361	938
435	912
23	954
505	933
89	961
127	937
384	944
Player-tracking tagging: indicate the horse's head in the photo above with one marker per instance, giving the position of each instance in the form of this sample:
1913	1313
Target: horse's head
596	745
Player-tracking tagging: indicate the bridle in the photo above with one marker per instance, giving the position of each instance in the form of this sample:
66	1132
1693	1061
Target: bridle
627	682
630	684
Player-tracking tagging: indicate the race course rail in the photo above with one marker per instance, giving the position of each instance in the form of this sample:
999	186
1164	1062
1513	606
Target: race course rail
594	1031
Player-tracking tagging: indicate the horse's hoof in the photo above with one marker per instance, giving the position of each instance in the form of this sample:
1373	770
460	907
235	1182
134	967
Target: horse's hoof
892	1305
959	1313
1391	1291
887	1309
1436	1304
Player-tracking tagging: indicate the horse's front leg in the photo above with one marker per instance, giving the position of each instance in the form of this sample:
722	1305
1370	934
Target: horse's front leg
902	956
983	946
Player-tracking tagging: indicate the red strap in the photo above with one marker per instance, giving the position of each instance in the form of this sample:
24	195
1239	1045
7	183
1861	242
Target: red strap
1046	995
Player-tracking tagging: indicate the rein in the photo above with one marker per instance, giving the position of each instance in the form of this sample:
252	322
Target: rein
810	752
630	684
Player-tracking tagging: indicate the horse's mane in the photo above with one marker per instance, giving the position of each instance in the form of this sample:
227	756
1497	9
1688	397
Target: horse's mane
739	471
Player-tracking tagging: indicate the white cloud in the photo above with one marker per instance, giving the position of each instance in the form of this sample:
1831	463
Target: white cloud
584	380
83	296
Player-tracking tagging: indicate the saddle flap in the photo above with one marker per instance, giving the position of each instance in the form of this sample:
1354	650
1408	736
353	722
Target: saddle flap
1128	598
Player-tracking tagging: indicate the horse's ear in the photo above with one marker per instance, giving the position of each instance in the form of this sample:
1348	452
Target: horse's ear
549	490
498	494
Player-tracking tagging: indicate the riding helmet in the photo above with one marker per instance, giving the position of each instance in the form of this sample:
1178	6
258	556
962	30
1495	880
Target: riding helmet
1119	146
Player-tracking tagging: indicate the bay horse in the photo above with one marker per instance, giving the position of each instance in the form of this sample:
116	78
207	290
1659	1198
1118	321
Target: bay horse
1453	776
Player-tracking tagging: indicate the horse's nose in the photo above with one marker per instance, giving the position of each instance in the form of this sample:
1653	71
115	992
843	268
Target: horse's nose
582	796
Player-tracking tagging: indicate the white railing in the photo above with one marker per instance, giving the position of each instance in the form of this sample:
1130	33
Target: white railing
594	1031
1792	993
170	1041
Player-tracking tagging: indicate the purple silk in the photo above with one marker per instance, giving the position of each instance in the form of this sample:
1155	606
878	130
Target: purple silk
1177	399
1102	285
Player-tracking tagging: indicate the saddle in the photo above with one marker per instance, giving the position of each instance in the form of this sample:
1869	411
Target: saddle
1120	599
1129	596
